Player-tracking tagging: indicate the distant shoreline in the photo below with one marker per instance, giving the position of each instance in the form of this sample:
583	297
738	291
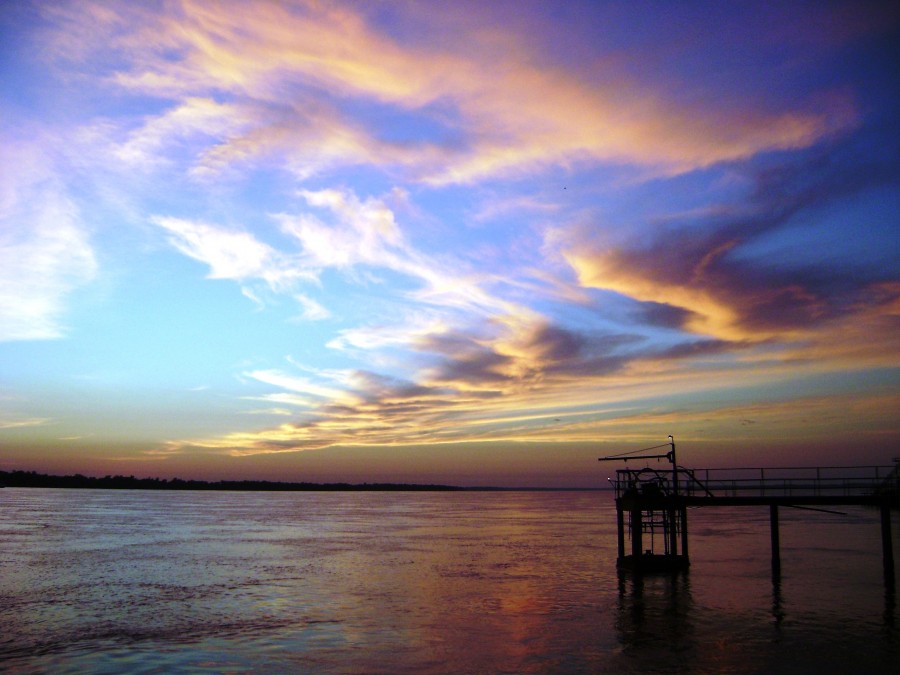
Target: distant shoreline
33	479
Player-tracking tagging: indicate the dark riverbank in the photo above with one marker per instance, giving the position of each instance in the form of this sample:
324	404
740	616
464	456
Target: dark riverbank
39	480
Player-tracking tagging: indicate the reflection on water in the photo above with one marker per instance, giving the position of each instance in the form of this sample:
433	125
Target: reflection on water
435	582
655	621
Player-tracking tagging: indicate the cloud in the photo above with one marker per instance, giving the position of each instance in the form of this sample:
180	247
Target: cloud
283	412
475	365
754	424
866	335
714	275
454	346
229	254
294	384
529	357
311	310
364	232
45	249
239	256
513	381
499	382
16	423
356	237
191	121
402	330
361	234
316	86
387	411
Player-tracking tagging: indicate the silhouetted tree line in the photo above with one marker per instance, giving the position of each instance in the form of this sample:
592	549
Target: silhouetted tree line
40	480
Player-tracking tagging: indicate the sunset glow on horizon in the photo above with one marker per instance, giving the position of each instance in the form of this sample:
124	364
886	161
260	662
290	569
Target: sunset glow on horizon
470	243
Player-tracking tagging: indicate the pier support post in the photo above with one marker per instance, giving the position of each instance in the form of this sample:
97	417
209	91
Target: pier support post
684	532
776	542
887	546
673	532
636	530
620	530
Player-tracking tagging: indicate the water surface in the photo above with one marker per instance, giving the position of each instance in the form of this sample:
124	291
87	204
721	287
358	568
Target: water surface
112	581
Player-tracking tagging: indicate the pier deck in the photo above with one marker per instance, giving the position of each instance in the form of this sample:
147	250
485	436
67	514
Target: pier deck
655	501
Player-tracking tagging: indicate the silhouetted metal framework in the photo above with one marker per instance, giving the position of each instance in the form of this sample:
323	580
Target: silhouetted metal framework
656	516
652	503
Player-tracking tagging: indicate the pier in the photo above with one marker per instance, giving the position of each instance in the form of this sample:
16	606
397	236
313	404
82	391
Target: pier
652	503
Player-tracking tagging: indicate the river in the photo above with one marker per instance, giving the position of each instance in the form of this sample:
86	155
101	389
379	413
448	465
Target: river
443	582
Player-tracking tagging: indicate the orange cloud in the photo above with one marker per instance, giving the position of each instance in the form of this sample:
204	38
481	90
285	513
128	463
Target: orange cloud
707	314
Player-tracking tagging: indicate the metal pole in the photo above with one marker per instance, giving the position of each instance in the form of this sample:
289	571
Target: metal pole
636	527
776	544
673	535
887	547
620	528
674	466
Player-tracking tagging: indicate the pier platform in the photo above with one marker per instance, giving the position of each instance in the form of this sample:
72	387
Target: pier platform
652	503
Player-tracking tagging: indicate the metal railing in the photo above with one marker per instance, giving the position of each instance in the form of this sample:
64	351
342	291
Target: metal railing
850	481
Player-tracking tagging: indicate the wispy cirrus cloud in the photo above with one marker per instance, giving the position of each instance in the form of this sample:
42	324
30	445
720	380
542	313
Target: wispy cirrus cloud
353	236
229	254
238	255
303	79
18	422
193	120
510	382
387	411
45	249
296	384
364	232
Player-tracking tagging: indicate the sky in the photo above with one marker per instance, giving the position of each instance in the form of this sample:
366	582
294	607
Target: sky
478	243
